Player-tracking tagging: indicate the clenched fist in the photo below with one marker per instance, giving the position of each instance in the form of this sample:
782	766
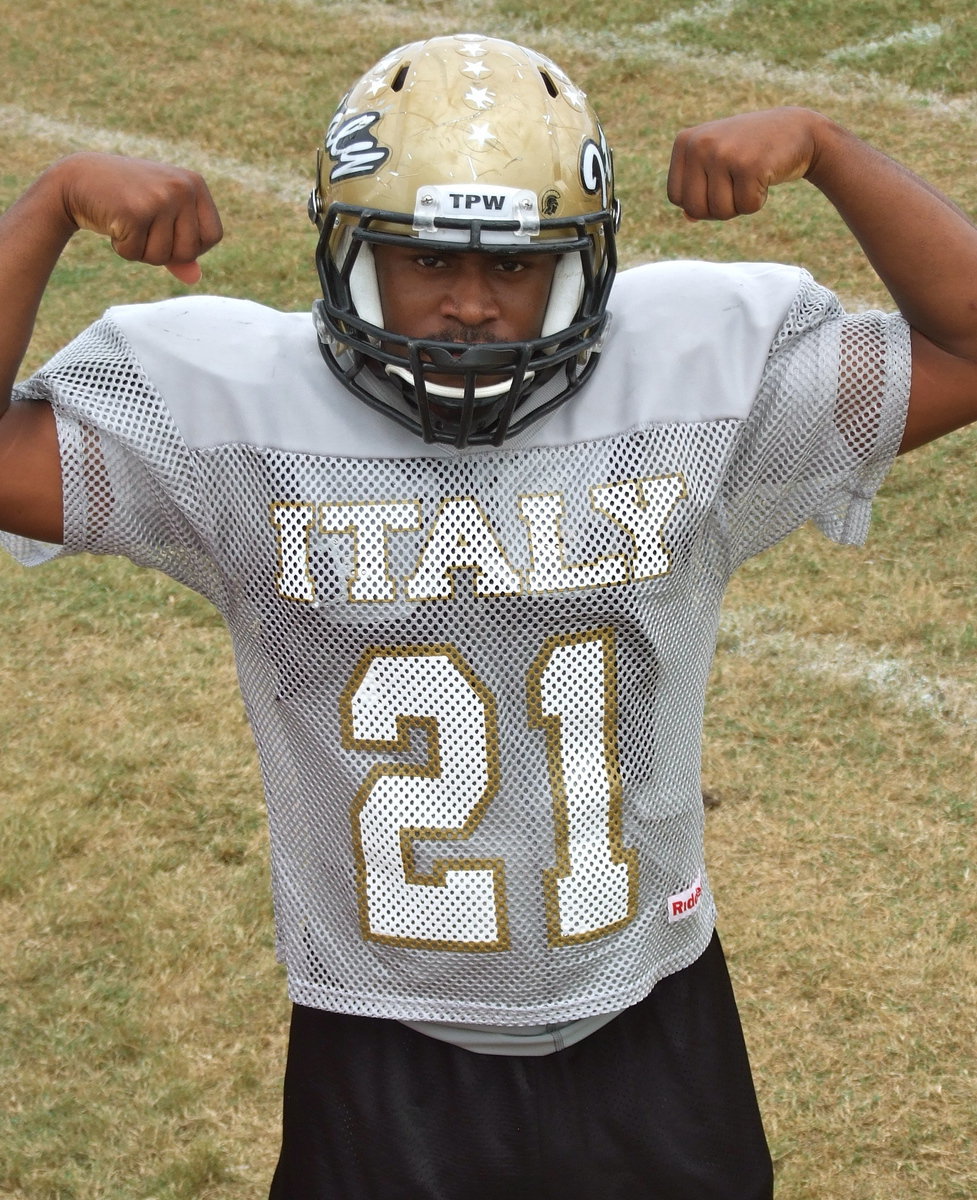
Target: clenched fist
152	212
725	168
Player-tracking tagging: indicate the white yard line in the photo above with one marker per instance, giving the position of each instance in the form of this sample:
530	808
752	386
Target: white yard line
700	14
648	42
480	17
67	136
918	35
897	680
830	83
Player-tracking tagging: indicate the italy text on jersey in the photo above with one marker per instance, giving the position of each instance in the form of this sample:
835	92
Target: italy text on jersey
460	903
462	537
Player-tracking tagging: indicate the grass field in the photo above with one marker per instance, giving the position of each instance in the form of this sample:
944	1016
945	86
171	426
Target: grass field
141	1014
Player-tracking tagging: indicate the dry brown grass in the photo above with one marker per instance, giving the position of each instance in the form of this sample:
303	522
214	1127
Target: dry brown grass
141	1015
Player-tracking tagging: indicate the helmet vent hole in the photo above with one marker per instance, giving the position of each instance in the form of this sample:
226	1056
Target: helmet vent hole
549	84
398	79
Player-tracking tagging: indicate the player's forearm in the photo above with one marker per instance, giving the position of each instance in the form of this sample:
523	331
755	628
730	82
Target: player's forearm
33	234
923	247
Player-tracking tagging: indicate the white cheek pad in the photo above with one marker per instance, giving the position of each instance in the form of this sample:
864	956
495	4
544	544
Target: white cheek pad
566	292
363	287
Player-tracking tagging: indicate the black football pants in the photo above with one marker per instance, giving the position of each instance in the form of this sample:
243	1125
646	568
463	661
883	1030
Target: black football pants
657	1105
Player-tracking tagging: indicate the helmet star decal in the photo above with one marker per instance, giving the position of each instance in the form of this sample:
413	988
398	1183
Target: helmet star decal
480	135
476	50
574	95
480	97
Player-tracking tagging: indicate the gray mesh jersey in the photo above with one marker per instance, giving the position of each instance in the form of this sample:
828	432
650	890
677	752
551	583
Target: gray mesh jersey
476	678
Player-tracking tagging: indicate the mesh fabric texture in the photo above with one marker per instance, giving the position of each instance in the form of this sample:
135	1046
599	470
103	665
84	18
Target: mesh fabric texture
476	679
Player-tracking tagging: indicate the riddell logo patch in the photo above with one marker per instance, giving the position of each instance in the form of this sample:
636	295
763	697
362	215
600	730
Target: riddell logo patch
684	904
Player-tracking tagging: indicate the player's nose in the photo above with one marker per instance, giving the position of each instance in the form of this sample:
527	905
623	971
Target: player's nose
469	297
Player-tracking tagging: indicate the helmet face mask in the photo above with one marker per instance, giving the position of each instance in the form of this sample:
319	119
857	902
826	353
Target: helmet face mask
459	145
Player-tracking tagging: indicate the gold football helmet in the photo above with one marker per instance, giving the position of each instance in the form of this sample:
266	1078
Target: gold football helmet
464	143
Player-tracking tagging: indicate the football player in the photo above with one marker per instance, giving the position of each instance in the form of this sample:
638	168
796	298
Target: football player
470	529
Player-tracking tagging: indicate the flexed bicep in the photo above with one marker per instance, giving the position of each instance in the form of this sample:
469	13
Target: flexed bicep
152	213
30	473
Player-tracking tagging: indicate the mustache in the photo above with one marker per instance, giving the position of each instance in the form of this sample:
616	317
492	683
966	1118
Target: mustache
462	336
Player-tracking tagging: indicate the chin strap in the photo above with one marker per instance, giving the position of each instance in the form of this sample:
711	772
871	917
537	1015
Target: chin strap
455	393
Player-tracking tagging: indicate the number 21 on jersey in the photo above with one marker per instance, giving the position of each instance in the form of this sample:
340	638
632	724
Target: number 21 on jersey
460	903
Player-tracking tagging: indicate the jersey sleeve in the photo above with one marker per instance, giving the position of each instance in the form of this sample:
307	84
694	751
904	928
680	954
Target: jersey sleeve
127	476
825	426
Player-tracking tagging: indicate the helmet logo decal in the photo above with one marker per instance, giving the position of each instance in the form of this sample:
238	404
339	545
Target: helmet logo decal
595	168
352	147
